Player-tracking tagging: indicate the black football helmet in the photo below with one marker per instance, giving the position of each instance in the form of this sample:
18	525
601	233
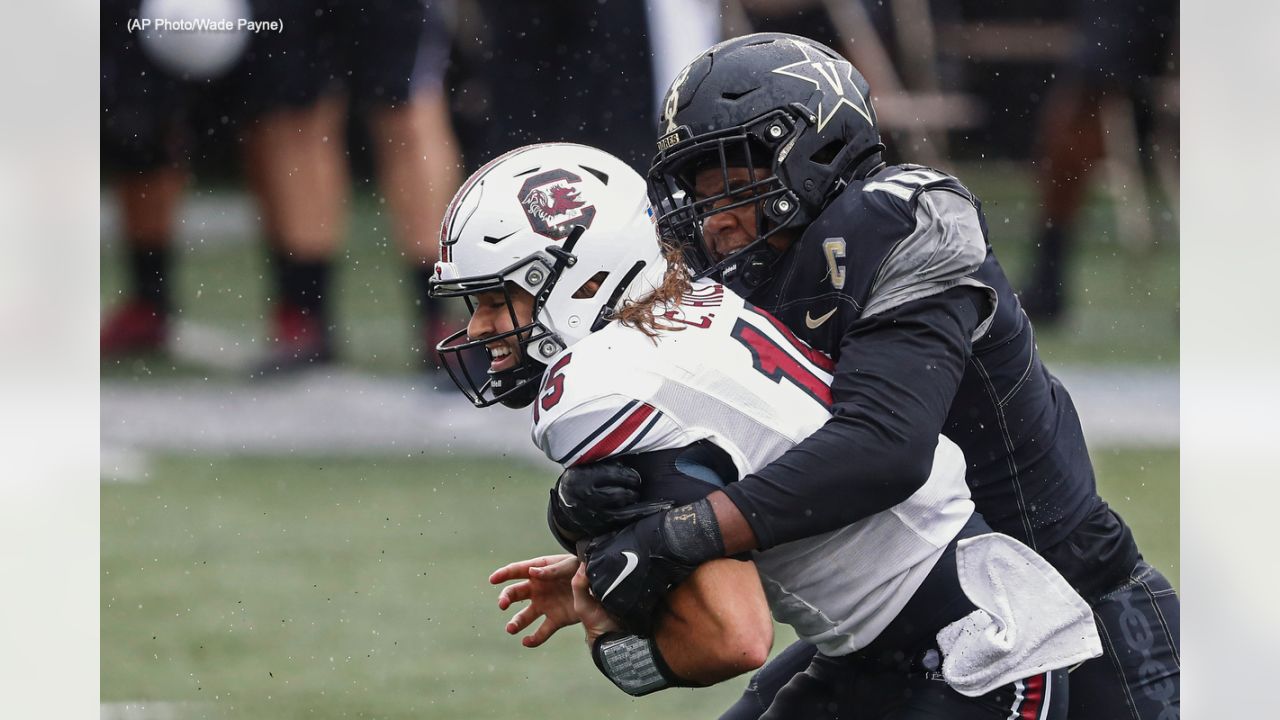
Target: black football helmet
792	111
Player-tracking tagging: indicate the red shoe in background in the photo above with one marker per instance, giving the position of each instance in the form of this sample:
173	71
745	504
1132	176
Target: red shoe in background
137	327
299	340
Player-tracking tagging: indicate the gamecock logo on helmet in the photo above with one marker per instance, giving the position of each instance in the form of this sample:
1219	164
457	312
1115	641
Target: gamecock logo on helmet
553	203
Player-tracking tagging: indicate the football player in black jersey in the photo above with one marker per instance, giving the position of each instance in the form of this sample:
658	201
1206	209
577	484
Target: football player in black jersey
769	174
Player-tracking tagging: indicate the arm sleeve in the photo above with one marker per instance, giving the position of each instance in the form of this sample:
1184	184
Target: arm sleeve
942	252
897	375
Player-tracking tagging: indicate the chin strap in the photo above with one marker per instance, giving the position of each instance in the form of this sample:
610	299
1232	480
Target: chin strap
752	270
525	381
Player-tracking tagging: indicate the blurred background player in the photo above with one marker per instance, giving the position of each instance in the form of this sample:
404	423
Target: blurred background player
151	104
1107	86
584	71
580	70
384	60
568	69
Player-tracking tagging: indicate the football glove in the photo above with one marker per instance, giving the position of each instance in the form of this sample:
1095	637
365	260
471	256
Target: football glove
631	570
594	500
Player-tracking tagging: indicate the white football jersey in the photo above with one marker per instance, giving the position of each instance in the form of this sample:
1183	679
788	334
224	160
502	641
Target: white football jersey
734	376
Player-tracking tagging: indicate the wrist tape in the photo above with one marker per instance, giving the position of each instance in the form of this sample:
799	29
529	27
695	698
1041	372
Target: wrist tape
633	663
692	533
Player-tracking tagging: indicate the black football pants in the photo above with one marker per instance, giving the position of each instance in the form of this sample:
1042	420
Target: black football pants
1136	678
896	676
835	689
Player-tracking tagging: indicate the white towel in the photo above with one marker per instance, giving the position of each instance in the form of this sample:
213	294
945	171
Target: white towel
1028	621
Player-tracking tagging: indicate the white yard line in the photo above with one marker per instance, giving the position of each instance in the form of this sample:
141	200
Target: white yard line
1125	407
323	411
122	464
341	411
217	217
152	710
212	347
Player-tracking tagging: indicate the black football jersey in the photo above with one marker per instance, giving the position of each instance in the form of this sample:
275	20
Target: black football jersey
909	233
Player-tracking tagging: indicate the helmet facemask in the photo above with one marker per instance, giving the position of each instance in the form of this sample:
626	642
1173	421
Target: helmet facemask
537	342
515	387
682	213
791	111
568	224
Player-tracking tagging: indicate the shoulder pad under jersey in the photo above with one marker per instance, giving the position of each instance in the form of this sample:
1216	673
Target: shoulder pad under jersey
906	232
585	411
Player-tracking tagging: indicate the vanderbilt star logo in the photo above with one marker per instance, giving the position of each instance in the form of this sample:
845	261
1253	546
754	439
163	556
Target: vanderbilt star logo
814	323
829	76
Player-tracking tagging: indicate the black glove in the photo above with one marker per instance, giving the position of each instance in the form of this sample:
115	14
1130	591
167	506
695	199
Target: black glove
631	570
592	500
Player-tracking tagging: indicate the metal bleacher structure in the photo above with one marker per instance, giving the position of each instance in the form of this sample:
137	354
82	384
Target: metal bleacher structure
915	107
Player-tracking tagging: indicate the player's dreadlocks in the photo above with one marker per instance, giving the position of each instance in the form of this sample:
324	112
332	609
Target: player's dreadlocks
646	314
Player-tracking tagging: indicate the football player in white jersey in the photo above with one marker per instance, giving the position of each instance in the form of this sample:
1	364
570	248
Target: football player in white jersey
917	611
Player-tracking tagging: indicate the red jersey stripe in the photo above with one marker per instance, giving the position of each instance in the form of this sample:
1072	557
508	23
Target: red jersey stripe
614	440
1032	697
817	357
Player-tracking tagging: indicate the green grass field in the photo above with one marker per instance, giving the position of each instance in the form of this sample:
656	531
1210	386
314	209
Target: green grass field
1125	299
356	588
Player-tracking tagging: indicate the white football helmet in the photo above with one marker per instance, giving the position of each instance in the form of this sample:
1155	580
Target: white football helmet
546	218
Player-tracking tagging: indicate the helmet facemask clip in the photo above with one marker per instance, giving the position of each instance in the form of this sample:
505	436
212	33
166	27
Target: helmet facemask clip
607	311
